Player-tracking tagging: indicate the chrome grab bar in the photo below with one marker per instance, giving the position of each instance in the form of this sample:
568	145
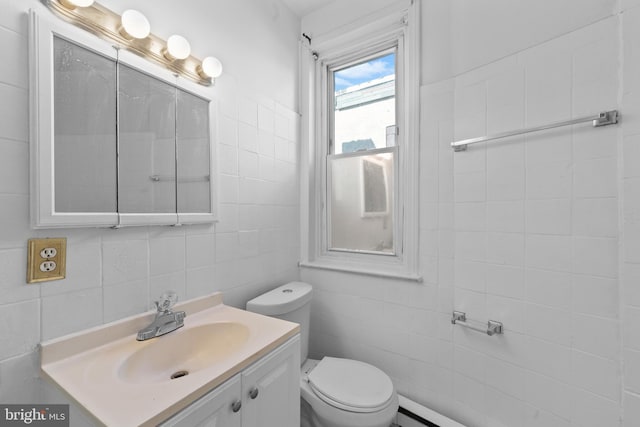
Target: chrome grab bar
603	119
493	327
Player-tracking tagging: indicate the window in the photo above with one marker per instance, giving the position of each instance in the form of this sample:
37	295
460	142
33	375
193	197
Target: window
362	158
362	154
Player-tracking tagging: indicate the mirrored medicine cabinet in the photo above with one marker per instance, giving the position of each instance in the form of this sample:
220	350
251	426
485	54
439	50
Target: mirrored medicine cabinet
115	139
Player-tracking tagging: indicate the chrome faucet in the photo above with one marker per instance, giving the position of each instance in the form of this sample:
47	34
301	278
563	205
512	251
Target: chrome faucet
166	319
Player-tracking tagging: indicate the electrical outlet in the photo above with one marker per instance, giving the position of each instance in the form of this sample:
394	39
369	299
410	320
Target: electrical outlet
46	259
47	266
47	253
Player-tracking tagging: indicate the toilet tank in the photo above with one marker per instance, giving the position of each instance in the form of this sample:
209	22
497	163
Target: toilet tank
290	302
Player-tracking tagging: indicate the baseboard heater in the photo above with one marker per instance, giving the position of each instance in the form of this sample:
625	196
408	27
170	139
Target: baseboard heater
416	417
423	415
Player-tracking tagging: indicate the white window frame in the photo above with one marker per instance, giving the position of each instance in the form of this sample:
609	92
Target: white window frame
380	33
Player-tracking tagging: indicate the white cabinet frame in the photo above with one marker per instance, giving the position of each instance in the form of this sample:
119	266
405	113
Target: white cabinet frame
42	142
41	110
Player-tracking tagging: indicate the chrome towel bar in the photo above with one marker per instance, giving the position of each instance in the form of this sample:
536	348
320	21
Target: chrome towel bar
603	119
199	178
493	327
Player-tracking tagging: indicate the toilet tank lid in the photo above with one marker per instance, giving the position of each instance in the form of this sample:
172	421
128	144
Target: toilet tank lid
281	300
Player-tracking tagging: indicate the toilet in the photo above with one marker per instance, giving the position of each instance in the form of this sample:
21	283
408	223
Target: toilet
335	392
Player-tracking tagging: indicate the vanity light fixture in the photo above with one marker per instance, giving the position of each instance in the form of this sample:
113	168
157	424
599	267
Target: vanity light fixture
210	68
132	31
134	25
178	48
72	4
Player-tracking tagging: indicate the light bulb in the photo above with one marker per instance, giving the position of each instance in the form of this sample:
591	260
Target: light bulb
72	4
134	25
177	48
210	68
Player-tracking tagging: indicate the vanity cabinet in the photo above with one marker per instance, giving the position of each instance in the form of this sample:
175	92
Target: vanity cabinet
271	389
264	394
214	409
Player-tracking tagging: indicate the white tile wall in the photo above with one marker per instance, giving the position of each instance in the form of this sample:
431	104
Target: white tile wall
538	231
631	409
630	248
590	410
112	274
558	256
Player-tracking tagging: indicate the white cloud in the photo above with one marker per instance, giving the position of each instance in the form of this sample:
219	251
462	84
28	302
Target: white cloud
340	82
367	70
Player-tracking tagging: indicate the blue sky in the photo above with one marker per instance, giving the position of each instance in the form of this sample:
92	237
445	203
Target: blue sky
364	72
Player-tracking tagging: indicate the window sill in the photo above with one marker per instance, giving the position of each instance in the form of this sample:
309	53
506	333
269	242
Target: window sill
362	271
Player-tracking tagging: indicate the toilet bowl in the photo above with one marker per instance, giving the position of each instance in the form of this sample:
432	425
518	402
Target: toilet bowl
346	393
335	392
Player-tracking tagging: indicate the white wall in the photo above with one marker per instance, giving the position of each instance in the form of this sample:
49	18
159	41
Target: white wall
536	236
539	232
115	273
340	15
629	190
487	30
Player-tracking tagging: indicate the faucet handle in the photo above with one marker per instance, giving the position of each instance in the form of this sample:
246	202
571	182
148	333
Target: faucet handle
166	301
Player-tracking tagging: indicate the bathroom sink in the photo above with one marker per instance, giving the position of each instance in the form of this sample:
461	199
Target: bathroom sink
121	381
183	352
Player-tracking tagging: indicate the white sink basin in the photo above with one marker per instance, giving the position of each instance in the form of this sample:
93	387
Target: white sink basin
183	352
121	381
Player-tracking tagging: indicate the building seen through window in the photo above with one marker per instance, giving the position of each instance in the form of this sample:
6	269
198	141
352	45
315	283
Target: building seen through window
362	156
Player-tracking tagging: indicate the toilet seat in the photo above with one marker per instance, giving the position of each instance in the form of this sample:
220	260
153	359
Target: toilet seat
351	385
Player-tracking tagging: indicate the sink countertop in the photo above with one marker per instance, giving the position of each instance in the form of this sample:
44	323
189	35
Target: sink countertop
86	364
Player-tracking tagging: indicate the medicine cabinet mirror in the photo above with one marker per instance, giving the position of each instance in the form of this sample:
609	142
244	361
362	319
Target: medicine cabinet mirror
115	139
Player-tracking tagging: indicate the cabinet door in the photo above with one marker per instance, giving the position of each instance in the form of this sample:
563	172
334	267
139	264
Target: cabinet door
215	409
146	144
271	389
72	126
84	131
194	153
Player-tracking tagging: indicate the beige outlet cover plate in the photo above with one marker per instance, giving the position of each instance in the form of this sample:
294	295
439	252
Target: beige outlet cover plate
35	259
